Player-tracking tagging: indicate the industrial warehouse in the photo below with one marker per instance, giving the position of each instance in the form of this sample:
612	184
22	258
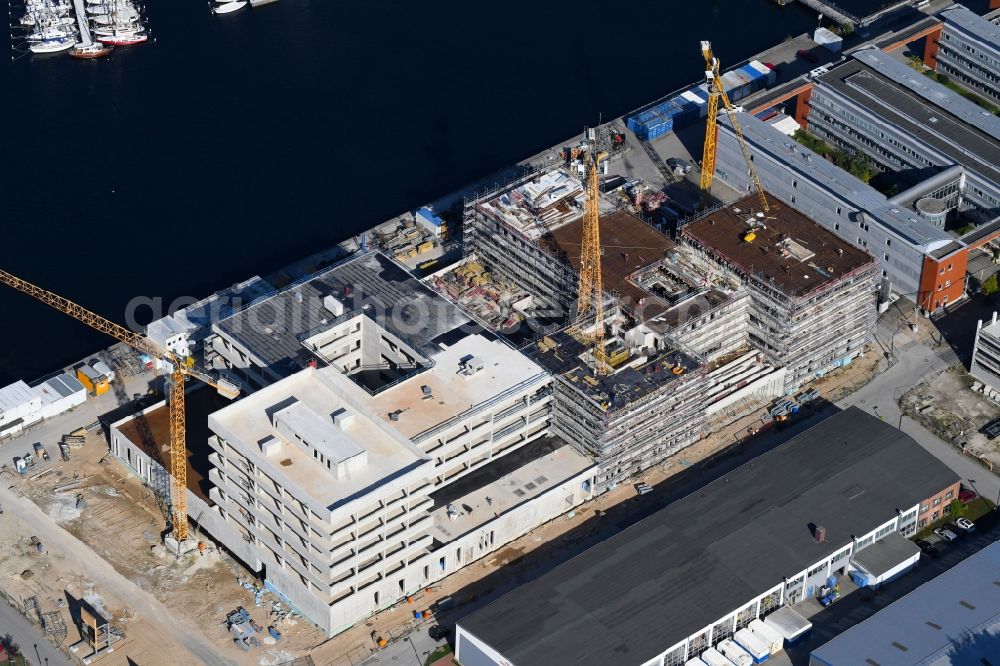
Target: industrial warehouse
692	575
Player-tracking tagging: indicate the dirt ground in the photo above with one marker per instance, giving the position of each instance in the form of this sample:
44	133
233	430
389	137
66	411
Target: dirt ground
95	499
948	407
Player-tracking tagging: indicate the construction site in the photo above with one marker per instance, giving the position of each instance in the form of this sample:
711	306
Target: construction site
339	448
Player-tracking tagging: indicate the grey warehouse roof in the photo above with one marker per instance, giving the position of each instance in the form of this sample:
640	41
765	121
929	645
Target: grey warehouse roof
271	328
952	619
940	118
881	557
825	174
964	18
631	597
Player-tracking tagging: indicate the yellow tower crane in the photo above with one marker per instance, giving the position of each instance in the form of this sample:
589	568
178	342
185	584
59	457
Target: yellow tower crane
179	369
591	291
715	92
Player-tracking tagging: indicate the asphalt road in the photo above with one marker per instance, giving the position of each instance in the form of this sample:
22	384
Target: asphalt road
915	362
33	646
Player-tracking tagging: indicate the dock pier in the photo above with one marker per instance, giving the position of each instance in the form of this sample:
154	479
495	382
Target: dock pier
81	19
845	18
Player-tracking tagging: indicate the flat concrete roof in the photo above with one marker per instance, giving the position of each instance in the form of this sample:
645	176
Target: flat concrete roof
670	575
952	619
783	237
247	424
629	245
531	471
904	225
454	393
881	557
272	328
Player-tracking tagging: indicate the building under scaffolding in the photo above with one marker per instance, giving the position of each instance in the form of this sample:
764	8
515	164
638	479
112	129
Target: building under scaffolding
812	293
673	319
648	408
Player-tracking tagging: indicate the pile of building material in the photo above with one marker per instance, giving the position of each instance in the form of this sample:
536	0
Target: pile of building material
404	238
494	302
541	203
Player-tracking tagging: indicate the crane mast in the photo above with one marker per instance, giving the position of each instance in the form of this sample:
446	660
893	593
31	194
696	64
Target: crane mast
591	289
716	91
180	368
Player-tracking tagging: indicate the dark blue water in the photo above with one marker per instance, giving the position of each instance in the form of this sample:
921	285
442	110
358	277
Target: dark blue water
236	144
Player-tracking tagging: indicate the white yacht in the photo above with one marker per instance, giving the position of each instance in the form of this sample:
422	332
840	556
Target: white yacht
229	6
52	45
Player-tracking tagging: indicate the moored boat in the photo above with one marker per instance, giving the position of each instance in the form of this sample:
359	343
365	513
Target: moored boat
90	51
122	38
228	7
52	45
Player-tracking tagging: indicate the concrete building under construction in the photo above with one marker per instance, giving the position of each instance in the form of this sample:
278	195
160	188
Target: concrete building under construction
812	293
678	326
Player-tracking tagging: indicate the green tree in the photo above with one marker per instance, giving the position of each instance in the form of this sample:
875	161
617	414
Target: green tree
957	507
861	167
991	286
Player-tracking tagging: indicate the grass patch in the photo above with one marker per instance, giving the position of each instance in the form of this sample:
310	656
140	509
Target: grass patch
974	510
437	654
857	164
964	92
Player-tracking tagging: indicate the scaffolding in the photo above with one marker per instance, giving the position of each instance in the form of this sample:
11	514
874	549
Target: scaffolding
811	333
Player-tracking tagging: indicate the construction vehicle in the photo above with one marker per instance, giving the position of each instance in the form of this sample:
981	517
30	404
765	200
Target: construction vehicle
716	91
40	451
178	370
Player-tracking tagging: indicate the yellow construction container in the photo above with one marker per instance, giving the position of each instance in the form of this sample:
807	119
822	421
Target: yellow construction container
95	382
425	247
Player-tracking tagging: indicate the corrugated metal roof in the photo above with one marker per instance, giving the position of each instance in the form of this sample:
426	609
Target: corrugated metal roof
15	395
976	25
953	619
931	90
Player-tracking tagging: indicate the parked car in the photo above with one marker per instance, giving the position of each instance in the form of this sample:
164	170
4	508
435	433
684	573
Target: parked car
965	495
945	533
965	524
991	429
676	164
927	548
808	56
437	632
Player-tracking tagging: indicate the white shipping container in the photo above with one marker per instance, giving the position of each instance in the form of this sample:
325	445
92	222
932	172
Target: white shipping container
694	662
757	647
713	657
774	640
735	653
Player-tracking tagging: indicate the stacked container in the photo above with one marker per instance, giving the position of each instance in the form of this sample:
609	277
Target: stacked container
655	121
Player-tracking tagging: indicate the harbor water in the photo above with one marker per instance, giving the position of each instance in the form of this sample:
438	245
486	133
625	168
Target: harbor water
232	145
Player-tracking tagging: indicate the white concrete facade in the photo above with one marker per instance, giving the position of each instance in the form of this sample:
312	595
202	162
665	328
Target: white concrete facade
985	365
340	549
